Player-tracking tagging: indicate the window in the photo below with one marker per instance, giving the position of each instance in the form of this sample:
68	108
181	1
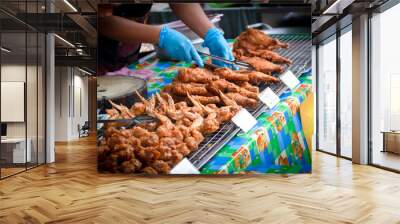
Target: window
346	93
385	89
327	96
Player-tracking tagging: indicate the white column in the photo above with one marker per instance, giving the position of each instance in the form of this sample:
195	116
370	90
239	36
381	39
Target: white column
50	92
360	90
50	99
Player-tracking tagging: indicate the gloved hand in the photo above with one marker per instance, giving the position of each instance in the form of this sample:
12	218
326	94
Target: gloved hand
214	40
177	46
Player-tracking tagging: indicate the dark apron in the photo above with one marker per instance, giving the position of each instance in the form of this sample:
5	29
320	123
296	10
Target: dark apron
112	54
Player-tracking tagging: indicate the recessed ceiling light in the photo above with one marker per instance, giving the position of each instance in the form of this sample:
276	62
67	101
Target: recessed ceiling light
84	71
64	40
70	5
5	49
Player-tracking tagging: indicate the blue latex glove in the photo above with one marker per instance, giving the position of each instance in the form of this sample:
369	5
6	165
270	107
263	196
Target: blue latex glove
177	46
214	40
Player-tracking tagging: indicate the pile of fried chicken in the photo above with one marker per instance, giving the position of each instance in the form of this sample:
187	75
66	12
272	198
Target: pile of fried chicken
257	49
195	104
206	86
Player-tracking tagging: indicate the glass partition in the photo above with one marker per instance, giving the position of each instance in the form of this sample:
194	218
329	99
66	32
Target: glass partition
22	76
346	93
13	94
32	98
327	96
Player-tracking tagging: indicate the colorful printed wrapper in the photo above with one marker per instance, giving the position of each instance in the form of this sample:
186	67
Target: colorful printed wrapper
275	145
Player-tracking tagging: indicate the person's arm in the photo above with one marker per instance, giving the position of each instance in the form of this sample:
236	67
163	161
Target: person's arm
193	16
128	31
175	44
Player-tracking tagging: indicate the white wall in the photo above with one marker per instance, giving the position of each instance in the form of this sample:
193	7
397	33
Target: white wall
15	72
71	94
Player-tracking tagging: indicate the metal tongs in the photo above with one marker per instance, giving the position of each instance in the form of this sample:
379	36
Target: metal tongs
236	62
128	123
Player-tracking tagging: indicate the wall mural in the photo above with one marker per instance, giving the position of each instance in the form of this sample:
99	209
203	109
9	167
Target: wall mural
195	102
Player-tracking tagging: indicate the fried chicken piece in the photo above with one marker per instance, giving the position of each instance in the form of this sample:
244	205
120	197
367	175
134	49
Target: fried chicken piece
247	93
215	115
197	75
197	120
255	39
151	140
185	131
177	156
258	77
109	131
210	124
163	131
181	89
197	135
167	145
162	104
226	113
242	100
161	167
123	152
263	65
182	149
250	87
269	55
112	113
227	101
150	126
171	110
193	141
125	113
242	44
103	150
138	108
181	105
223	85
130	166
239	53
230	75
184	122
116	139
149	170
140	132
149	104
207	99
148	154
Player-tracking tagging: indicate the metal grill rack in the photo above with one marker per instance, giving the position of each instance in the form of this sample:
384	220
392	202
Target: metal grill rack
300	53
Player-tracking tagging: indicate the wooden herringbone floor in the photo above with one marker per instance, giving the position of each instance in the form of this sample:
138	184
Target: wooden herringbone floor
71	191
